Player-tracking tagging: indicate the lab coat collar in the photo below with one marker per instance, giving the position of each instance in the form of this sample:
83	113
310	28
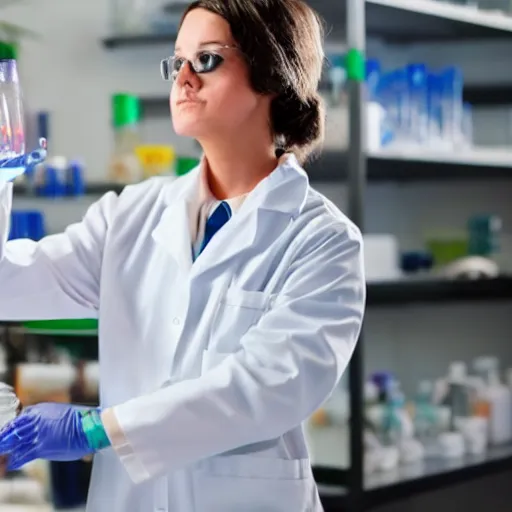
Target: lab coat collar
284	191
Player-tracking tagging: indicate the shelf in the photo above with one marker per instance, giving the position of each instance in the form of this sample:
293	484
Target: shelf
121	41
91	189
383	166
488	95
437	291
434	474
393	20
428	20
387	165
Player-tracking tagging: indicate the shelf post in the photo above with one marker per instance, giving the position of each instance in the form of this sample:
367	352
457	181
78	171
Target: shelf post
356	161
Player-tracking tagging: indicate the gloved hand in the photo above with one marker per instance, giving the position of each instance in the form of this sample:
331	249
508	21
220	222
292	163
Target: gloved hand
52	431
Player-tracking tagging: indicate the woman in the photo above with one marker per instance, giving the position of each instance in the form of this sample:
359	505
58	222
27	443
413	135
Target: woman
229	301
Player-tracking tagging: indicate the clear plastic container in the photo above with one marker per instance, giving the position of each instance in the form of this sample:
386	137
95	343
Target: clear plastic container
452	107
9	404
124	165
417	125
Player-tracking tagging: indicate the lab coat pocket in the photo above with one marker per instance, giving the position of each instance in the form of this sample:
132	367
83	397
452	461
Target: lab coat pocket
237	311
242	482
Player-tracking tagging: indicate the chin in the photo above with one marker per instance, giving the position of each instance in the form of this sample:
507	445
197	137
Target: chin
189	128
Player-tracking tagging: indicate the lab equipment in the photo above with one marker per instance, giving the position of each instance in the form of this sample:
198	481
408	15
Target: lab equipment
381	257
416	262
458	396
9	404
13	160
423	108
52	431
472	267
75	180
452	108
499	398
124	165
337	80
12	135
484	235
11	168
417	115
27	224
155	160
425	414
452	445
434	110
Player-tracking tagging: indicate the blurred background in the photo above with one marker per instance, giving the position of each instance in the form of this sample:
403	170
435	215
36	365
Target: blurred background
424	420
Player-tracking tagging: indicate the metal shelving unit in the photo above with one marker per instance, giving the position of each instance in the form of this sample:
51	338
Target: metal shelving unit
403	21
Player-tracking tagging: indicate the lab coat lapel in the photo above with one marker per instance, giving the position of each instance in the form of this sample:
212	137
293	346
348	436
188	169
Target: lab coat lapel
268	209
173	230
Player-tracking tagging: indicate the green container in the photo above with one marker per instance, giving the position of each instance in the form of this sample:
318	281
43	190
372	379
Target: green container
125	109
447	250
185	165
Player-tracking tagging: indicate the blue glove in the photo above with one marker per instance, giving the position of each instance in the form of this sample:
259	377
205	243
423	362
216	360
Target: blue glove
11	168
51	431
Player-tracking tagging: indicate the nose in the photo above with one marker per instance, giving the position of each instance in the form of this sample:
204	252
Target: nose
187	77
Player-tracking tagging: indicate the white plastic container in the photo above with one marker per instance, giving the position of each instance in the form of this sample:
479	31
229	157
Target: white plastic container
499	397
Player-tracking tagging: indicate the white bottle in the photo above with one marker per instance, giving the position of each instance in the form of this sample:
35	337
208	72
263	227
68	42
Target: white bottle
499	397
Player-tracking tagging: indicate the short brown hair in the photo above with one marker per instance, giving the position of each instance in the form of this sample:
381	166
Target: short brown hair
282	42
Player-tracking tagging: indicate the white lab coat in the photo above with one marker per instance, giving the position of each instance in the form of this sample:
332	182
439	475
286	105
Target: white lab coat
210	367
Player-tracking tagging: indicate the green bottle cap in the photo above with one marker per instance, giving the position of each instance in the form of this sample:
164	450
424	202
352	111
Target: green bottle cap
185	164
125	109
8	51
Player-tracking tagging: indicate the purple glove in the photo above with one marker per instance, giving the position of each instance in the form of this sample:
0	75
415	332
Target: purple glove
52	431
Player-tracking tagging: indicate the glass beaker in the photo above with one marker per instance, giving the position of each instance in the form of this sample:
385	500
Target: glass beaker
9	404
12	134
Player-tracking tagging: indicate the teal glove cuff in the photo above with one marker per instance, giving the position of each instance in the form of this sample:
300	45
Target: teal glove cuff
94	430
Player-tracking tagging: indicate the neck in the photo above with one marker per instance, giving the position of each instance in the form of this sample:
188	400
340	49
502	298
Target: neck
235	169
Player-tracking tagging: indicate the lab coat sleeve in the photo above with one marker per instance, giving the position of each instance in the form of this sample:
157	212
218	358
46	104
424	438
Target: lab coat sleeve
57	277
288	365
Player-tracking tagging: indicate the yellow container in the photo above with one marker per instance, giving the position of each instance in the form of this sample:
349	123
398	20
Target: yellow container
155	160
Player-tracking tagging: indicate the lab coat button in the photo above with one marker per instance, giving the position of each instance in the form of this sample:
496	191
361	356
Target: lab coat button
176	321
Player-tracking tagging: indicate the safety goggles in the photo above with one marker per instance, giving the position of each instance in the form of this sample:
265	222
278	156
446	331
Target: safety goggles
204	61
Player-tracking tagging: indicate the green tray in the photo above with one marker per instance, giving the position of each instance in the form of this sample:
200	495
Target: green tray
80	327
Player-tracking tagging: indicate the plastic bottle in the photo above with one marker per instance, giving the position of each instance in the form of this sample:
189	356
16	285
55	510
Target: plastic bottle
425	418
434	100
500	400
401	108
337	79
457	398
125	166
417	125
452	107
373	73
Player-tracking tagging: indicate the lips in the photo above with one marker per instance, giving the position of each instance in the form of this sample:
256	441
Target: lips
188	102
